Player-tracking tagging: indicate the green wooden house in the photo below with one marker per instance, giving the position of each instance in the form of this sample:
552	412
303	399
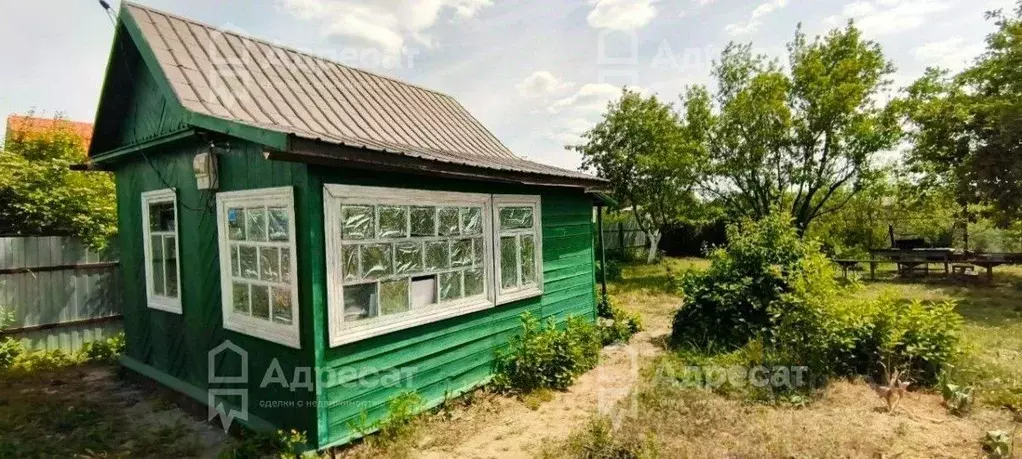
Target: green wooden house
302	241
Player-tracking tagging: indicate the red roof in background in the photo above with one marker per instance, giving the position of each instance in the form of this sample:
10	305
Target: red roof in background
32	124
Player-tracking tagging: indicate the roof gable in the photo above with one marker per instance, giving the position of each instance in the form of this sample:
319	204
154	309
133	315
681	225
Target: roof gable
262	92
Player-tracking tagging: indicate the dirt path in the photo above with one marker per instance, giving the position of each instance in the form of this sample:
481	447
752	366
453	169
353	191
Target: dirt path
500	427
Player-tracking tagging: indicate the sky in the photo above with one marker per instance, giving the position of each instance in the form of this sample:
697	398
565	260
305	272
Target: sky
536	72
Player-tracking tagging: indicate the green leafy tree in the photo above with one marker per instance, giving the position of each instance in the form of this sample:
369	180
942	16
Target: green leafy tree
40	194
651	163
966	129
793	140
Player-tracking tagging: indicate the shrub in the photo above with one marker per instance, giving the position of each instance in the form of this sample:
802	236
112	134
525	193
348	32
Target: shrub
547	357
10	350
613	270
280	444
774	290
616	324
104	350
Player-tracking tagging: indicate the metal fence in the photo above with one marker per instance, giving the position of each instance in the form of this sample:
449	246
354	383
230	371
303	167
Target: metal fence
625	235
62	294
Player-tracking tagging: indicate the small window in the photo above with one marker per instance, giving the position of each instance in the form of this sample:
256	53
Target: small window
518	238
257	263
160	243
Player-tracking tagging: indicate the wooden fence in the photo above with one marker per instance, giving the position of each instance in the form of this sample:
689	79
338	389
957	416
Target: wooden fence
625	235
61	293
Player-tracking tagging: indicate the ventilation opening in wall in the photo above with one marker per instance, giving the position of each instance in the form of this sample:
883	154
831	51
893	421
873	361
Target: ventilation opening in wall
423	291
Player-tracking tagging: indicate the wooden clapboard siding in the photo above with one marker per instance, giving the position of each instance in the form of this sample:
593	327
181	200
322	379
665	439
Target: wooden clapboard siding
178	345
443	359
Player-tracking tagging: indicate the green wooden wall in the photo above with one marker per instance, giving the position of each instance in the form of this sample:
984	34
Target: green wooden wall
166	345
443	359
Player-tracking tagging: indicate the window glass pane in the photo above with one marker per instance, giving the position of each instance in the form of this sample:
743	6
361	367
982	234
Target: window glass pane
269	264
528	249
239	296
423	221
436	255
471	220
161	216
247	255
285	265
282	305
408	258
461	253
474	282
393	296
261	301
450	286
477	251
255	222
423	291
508	262
236	224
278	224
448	221
359	302
234	262
357	222
393	222
349	255
376	260
170	265
515	218
156	246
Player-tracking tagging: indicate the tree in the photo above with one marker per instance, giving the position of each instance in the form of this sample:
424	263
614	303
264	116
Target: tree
967	128
40	194
776	140
640	148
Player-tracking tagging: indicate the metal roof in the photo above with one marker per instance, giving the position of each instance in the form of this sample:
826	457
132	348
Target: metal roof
249	81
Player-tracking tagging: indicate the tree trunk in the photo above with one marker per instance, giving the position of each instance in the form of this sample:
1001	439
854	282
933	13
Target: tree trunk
654	245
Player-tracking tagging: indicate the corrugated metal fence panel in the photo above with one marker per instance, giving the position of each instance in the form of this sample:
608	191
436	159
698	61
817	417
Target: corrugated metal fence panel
54	291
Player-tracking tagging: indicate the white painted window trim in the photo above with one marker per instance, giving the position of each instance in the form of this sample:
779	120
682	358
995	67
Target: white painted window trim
154	301
511	200
336	195
287	335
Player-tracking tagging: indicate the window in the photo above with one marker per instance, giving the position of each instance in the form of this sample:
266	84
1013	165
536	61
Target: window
257	263
519	243
159	230
399	258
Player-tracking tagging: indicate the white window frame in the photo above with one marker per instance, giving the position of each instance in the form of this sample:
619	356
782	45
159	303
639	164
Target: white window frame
521	292
334	196
285	334
154	301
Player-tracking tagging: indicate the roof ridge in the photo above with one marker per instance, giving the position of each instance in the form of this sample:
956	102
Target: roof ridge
285	47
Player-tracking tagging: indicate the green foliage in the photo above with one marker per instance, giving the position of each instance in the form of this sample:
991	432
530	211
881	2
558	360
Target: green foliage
957	398
596	440
789	137
964	127
258	445
616	324
998	444
107	350
640	148
39	194
774	298
10	351
613	270
547	357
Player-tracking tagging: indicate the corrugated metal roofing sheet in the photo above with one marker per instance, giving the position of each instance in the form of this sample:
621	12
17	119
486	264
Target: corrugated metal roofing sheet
250	81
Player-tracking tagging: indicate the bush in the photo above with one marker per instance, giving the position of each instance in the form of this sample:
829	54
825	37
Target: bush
774	290
616	324
15	358
104	350
613	270
280	444
547	357
10	350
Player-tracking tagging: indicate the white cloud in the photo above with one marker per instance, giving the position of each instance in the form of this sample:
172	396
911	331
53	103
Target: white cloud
542	83
953	53
621	14
589	98
884	17
386	24
756	18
